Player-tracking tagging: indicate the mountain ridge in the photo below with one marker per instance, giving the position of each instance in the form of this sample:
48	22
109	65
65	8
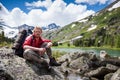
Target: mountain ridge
11	32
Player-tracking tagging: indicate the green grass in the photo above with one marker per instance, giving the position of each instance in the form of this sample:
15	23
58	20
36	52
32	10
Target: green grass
5	44
58	54
72	46
64	45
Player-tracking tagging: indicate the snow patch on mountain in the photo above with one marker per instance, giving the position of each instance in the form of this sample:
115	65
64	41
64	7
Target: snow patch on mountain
10	33
114	6
73	25
51	27
92	27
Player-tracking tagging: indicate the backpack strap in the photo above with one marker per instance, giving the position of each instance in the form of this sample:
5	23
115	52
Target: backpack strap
32	40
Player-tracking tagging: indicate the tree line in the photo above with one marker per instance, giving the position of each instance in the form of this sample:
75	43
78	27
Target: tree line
5	40
102	38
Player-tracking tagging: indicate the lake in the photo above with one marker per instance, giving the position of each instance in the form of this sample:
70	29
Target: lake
97	51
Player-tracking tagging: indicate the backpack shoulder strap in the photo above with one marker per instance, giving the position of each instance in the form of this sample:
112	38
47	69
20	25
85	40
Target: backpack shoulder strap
32	40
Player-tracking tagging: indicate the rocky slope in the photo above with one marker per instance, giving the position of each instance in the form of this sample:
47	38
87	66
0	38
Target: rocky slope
75	66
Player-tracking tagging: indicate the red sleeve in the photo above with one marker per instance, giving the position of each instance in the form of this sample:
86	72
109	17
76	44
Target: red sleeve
46	40
27	41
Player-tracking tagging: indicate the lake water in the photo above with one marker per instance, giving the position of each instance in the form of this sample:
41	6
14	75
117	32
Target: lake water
97	51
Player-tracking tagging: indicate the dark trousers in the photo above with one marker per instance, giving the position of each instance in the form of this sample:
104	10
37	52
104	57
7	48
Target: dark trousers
34	56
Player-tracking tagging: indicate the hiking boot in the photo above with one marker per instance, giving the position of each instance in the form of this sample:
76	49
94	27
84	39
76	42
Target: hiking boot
53	62
44	63
46	66
49	69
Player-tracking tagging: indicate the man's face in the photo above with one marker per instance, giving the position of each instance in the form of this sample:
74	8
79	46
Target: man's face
37	33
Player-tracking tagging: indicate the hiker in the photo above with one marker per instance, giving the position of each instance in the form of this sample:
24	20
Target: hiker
35	47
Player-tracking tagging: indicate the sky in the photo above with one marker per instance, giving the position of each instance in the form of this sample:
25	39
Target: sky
45	12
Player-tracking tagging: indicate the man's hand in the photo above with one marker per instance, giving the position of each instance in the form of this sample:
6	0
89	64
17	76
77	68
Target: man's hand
41	50
49	45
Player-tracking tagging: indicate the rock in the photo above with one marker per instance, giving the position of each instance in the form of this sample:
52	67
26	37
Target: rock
104	55
112	67
80	63
75	66
98	73
110	61
93	57
108	76
22	70
116	75
64	58
4	74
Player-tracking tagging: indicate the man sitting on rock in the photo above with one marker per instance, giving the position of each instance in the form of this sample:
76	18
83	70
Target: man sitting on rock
35	47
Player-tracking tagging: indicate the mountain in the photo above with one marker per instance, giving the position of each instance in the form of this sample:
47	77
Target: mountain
11	32
102	27
26	27
49	30
51	26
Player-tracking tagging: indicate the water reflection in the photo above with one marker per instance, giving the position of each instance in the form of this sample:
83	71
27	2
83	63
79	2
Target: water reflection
73	77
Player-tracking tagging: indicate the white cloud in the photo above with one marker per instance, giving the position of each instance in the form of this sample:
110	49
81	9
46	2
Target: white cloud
92	2
57	12
3	11
16	17
84	14
46	4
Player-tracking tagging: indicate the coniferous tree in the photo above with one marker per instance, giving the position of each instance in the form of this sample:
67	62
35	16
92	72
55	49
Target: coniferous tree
118	41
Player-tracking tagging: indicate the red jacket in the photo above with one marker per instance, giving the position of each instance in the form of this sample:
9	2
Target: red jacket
32	42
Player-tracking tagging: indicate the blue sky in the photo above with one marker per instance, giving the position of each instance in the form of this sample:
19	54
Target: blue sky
10	4
44	12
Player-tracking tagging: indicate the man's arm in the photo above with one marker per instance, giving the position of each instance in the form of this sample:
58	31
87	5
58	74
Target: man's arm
40	50
30	47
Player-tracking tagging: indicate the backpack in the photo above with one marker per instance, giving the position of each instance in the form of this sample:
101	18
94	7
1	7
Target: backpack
18	44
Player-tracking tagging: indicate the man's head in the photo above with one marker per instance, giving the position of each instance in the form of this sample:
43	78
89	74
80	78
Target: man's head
37	31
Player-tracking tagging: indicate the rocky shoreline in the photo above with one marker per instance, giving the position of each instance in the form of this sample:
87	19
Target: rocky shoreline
75	66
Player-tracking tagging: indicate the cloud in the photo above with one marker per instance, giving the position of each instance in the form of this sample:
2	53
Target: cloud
57	12
3	10
84	14
92	2
15	18
46	4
